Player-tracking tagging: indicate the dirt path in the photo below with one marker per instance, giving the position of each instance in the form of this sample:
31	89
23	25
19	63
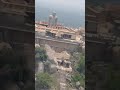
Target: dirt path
62	80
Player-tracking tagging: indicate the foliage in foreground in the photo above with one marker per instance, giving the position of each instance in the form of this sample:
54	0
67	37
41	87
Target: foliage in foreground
79	67
81	64
43	81
78	78
40	54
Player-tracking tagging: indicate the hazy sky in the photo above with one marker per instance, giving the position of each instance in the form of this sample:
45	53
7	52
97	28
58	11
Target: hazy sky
69	12
69	5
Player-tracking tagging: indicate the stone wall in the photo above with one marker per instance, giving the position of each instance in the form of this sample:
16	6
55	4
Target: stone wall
58	45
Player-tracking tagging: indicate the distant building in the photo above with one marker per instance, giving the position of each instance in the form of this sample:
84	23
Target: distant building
59	32
55	30
53	20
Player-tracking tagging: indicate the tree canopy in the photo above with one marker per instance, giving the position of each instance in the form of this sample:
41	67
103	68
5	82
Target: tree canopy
81	64
43	81
40	54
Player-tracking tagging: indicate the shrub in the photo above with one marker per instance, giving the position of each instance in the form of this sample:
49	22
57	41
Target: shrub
43	81
40	54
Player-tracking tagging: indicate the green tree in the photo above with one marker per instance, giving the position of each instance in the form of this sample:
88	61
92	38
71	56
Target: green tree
78	78
43	81
79	69
81	64
40	54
